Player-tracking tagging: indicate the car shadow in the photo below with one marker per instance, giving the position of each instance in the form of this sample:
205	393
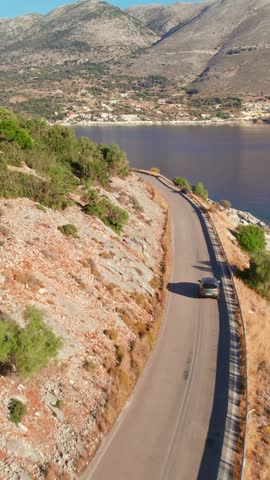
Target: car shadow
186	289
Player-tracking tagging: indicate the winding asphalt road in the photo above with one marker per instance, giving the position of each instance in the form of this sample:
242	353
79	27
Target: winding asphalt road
163	432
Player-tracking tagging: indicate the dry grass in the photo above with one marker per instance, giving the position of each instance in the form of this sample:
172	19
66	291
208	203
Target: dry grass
256	312
112	333
106	255
81	284
90	263
111	287
138	328
156	282
28	280
120	352
143	301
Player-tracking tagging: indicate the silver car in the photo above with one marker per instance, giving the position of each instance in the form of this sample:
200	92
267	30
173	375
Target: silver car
209	287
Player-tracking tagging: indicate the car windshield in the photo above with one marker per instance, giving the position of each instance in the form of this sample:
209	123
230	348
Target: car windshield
209	285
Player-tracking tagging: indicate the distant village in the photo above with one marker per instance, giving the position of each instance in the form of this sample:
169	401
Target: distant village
125	108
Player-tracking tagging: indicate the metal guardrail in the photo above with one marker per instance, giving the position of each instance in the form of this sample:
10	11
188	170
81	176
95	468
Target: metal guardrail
229	425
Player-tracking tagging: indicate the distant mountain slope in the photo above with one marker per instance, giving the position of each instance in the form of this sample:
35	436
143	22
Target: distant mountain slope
12	29
242	64
163	18
92	27
220	45
200	45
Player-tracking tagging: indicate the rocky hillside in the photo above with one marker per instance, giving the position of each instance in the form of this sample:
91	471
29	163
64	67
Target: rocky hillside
239	65
86	30
165	18
80	283
96	292
14	29
220	45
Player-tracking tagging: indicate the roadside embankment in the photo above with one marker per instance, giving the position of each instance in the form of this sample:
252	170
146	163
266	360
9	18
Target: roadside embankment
256	313
102	294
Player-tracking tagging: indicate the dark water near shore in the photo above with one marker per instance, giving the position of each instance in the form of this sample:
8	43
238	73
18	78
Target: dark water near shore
232	162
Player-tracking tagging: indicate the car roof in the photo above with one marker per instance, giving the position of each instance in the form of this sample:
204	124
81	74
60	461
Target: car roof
210	280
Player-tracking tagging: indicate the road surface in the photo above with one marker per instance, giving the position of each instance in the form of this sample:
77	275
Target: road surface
163	433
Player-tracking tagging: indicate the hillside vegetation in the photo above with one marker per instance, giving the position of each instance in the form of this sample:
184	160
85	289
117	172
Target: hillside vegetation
59	165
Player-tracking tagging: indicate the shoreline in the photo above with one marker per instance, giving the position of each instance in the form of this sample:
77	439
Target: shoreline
233	122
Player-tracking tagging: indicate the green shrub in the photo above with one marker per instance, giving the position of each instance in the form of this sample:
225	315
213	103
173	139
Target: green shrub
115	159
89	163
113	216
36	344
199	190
23	139
257	276
223	115
60	140
182	182
53	152
29	348
8	338
69	230
16	410
62	179
20	185
10	131
6	114
251	238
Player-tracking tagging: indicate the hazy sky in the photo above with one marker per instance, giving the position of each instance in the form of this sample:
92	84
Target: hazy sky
12	8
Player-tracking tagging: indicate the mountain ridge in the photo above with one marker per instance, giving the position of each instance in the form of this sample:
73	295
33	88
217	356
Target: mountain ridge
221	47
